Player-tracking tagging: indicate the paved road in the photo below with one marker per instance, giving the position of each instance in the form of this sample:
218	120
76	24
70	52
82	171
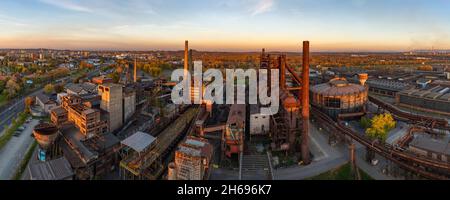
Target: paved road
11	112
373	171
326	158
12	154
331	158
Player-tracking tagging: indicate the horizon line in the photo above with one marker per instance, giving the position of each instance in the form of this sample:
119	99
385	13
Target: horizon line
230	51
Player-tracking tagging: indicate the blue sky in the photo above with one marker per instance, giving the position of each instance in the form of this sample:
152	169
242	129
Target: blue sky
232	25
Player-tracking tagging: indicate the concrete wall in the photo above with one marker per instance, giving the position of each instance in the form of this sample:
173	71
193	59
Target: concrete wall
129	106
259	122
112	103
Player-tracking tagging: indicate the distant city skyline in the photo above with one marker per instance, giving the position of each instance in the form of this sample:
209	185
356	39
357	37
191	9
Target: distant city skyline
226	25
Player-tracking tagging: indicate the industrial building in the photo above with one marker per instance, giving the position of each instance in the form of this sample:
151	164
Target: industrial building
129	104
386	87
234	134
87	120
73	109
58	169
47	136
81	88
259	123
92	157
434	99
339	98
289	128
192	160
45	103
59	116
143	157
435	147
112	99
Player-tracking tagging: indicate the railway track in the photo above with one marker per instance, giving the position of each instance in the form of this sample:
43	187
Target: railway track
431	121
425	167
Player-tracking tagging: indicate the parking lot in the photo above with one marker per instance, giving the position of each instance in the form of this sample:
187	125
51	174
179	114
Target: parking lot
13	152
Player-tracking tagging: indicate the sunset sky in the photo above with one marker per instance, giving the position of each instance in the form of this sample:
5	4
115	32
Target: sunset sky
226	25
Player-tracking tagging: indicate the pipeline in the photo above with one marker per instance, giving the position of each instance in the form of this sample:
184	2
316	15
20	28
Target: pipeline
438	123
388	152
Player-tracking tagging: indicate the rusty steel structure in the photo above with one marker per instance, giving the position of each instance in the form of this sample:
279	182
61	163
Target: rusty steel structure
340	99
293	119
429	122
305	104
47	136
186	60
425	167
149	165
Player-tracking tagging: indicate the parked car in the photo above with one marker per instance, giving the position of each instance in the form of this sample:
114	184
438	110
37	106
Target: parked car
17	134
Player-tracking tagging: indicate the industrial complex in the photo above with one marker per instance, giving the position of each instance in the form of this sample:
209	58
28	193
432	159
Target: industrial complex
129	129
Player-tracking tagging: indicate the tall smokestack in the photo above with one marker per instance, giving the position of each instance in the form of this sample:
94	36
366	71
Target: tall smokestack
135	70
186	58
282	63
191	60
305	104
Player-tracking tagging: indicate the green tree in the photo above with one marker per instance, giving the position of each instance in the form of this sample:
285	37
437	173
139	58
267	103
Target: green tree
365	123
59	88
380	127
49	88
115	76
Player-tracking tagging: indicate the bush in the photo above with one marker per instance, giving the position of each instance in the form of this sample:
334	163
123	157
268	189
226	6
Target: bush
365	123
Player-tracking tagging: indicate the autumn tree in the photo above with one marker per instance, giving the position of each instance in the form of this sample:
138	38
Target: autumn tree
425	68
380	127
49	88
28	103
115	76
12	88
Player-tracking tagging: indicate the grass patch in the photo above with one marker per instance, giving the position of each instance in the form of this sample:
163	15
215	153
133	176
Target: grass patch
342	173
9	132
23	164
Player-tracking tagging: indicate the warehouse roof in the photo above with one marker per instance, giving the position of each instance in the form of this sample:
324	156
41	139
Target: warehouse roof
139	141
428	143
58	169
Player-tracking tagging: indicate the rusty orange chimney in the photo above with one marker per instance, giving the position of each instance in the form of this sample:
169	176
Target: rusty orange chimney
135	70
186	58
305	105
282	63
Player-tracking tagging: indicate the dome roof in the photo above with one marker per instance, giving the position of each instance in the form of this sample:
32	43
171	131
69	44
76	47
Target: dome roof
338	87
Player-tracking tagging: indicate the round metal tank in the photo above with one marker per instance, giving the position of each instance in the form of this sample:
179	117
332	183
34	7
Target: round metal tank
363	78
172	172
45	135
339	97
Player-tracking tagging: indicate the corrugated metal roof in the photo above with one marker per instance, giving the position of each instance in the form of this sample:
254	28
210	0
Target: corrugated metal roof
57	169
139	141
426	142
